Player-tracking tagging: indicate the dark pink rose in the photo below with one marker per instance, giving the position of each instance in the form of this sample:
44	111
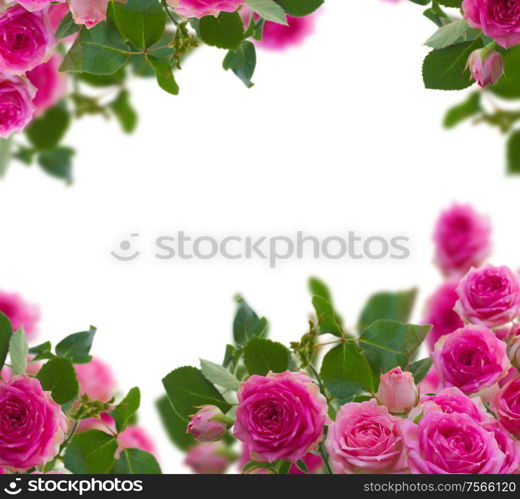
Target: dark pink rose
313	462
280	416
489	296
462	240
453	443
136	437
49	83
498	19
365	438
18	311
26	39
508	445
431	383
201	8
96	380
33	5
471	358
16	105
32	425
440	313
506	405
279	37
208	458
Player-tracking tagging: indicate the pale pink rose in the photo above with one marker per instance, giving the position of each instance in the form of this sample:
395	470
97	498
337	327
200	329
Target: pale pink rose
431	383
201	8
486	71
96	380
280	416
507	406
471	358
440	313
33	5
489	296
208	458
508	445
136	437
397	391
453	443
365	438
50	84
26	39
88	12
462	240
448	401
208	424
498	19
33	425
13	306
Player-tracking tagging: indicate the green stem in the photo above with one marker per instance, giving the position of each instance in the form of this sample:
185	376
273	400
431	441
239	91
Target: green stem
169	13
325	458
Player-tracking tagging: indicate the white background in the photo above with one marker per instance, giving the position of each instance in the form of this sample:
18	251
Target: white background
336	135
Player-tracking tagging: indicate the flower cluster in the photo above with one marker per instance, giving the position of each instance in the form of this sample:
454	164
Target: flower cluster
371	406
55	55
58	406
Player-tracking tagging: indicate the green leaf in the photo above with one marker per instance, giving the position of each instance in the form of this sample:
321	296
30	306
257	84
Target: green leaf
300	8
318	288
77	346
302	466
59	377
174	425
225	31
91	452
391	306
262	356
269	10
242	62
457	114
513	153
508	87
116	78
42	348
327	317
47	131
67	27
420	369
247	324
457	4
126	409
58	163
18	351
124	112
388	344
164	74
219	375
136	462
6	331
6	147
100	50
458	31
446	69
188	389
141	22
345	372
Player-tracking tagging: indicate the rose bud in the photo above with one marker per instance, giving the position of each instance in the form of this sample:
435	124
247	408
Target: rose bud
208	424
397	391
513	346
486	69
209	458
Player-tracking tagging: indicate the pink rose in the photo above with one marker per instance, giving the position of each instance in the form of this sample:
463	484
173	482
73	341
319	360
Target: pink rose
451	444
33	426
96	380
506	405
33	5
365	438
486	71
33	368
508	445
201	8
49	82
13	306
88	12
16	107
397	391
462	240
279	37
208	424
431	383
440	313
208	458
489	296
26	39
498	19
136	437
313	462
470	358
280	416
259	471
